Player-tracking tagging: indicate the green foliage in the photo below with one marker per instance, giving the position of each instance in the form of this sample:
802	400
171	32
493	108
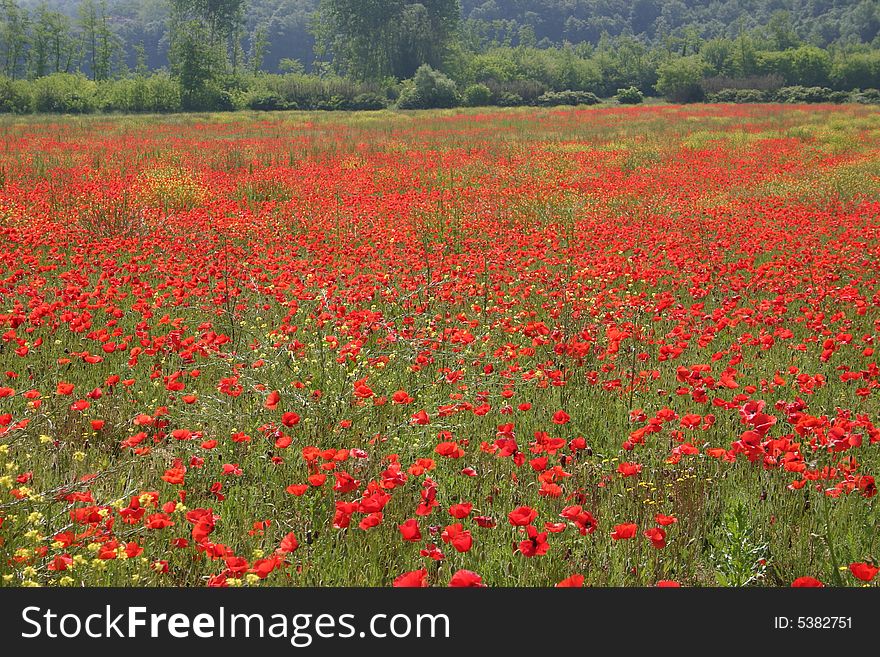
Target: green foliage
567	97
197	63
799	94
629	96
739	554
428	89
154	93
310	92
807	65
65	93
554	69
858	70
867	97
372	39
477	95
518	51
679	80
738	96
653	21
509	99
16	96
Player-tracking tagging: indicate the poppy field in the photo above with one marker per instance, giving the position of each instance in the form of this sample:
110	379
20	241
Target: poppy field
582	347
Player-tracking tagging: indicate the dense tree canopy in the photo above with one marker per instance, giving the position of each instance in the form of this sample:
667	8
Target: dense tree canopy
216	53
289	26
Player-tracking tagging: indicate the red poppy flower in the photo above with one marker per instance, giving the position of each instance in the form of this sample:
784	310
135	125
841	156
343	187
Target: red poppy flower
522	516
664	521
460	511
629	469
409	530
412	579
561	417
572	581
466	578
288	544
657	536
458	537
624	531
806	582
863	571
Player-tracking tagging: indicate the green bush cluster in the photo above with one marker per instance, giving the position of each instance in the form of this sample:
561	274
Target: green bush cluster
309	92
567	97
428	89
629	96
795	94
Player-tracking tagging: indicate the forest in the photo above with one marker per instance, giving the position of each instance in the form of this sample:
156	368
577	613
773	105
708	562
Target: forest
171	55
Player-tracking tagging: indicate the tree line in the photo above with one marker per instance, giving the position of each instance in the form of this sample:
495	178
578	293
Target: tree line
172	55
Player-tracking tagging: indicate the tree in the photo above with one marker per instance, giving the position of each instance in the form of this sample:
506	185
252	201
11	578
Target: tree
61	44
13	37
428	89
196	63
679	80
218	22
88	24
370	39
259	44
782	32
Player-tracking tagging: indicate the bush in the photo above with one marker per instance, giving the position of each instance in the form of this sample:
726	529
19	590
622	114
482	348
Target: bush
428	89
528	92
163	94
477	95
210	98
65	93
368	101
738	96
310	92
265	100
16	96
629	96
567	97
509	99
769	82
680	80
154	93
856	70
866	97
798	94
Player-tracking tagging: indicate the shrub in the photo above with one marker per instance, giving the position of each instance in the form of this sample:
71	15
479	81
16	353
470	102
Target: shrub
629	96
856	70
509	99
567	97
528	91
368	101
163	94
799	94
738	96
680	80
477	95
65	93
769	82
264	99
16	96
867	97
154	93
211	98
428	89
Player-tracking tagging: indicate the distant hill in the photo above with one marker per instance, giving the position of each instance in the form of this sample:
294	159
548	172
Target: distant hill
527	22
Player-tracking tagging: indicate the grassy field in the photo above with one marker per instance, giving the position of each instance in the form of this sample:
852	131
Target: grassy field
608	346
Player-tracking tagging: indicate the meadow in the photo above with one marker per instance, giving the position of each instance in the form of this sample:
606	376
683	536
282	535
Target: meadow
602	346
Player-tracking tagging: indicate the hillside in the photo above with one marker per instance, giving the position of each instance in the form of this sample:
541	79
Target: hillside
523	22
